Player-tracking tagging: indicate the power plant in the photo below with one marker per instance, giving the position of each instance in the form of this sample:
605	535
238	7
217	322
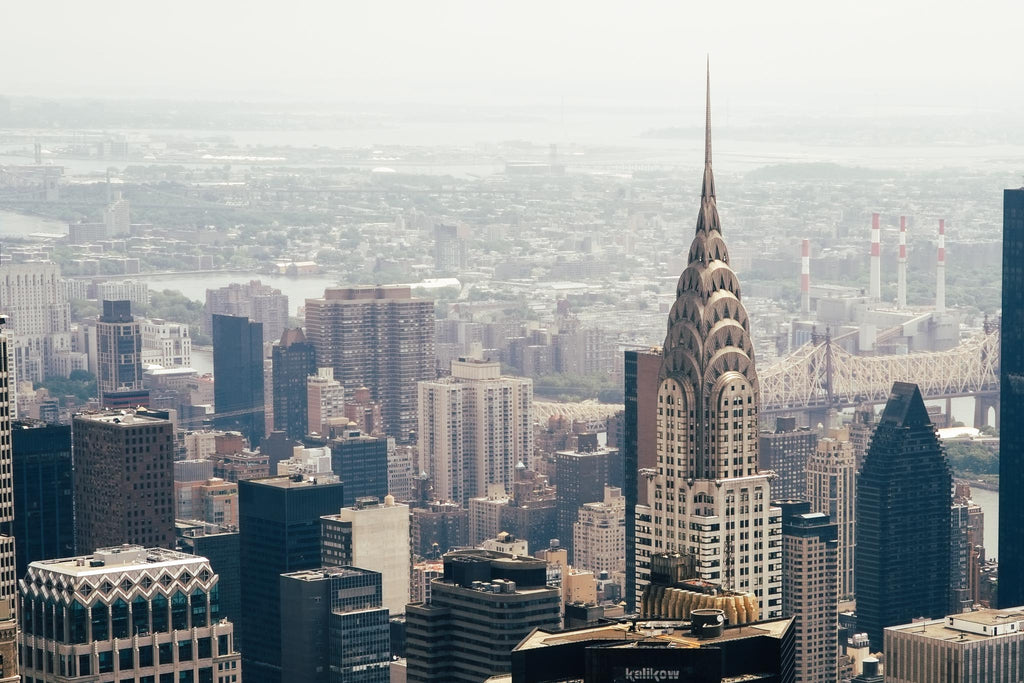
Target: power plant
864	323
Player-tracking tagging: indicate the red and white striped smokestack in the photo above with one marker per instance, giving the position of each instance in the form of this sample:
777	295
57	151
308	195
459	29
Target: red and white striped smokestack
940	270
805	278
875	284
901	270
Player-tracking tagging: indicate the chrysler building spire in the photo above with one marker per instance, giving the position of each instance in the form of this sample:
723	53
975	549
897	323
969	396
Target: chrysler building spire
708	190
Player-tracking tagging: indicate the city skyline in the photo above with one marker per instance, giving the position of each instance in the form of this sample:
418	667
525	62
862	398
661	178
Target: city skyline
569	379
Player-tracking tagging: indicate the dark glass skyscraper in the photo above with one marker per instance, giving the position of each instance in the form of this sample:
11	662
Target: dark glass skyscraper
44	493
1011	405
219	545
361	462
294	361
238	376
279	527
334	627
904	493
485	604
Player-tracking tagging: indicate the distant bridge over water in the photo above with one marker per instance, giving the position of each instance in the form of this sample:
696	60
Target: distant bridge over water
821	375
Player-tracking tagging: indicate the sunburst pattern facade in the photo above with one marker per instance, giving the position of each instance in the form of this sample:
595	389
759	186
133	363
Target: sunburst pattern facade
708	502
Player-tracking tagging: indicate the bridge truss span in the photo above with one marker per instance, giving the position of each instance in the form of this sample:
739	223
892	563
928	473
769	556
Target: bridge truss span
821	374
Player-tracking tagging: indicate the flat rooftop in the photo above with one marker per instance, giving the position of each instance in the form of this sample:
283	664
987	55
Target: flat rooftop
119	558
658	634
968	627
328	572
991	617
296	481
123	418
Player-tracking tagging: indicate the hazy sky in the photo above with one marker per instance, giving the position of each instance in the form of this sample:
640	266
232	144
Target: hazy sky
794	55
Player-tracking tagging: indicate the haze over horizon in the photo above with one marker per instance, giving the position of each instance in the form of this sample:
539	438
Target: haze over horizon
801	58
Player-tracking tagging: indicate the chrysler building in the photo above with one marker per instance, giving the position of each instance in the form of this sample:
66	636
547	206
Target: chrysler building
708	503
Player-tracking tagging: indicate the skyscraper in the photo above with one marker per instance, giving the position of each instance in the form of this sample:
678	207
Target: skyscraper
474	428
219	545
809	589
982	645
904	493
372	535
438	528
785	452
450	248
862	427
706	497
44	495
126	614
259	302
378	337
8	581
599	537
334	629
361	461
117	217
166	344
325	401
35	301
294	360
1011	405
968	549
639	451
118	353
832	489
238	376
580	478
486	603
124	479
279	527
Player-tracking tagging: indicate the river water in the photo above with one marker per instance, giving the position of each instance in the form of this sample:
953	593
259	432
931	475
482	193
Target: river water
194	286
989	502
20	225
